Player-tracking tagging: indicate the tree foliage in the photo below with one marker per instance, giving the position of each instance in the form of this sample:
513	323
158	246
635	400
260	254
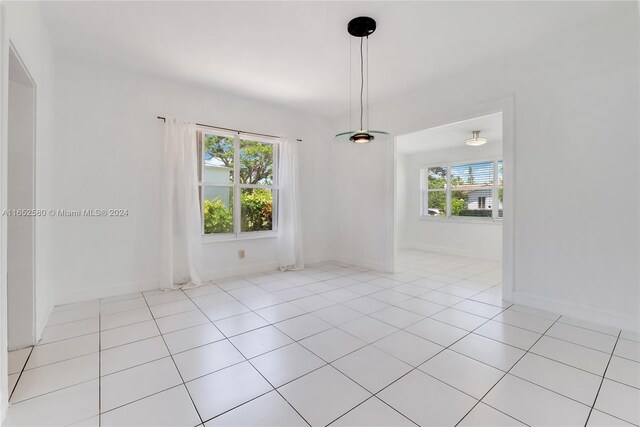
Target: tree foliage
218	218
437	178
256	158
256	213
257	210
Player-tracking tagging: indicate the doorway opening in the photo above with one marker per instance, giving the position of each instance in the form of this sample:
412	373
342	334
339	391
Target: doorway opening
21	227
449	207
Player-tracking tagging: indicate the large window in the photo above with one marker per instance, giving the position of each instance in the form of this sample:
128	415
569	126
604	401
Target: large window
237	183
462	190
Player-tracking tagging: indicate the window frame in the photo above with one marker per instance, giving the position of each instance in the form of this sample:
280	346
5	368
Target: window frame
237	187
424	193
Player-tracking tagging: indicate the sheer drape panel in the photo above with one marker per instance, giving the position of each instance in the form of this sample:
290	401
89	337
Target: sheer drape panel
291	256
180	234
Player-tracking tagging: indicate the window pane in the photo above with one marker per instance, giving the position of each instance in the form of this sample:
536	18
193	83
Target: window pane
471	189
256	162
256	211
500	188
218	209
218	159
436	178
436	203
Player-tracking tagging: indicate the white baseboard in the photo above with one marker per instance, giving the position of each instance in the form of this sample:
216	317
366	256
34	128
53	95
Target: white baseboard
359	262
602	317
111	291
240	271
87	295
452	251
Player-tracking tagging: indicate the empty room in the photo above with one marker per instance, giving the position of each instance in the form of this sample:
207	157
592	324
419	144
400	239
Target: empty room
322	213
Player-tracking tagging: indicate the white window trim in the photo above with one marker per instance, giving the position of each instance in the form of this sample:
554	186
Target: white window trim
424	191
237	190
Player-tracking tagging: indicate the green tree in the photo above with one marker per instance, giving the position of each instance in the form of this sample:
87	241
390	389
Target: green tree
470	180
437	200
256	158
218	218
459	201
257	209
457	205
220	147
256	162
436	178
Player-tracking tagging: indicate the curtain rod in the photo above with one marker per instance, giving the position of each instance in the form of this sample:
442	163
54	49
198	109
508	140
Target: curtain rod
164	119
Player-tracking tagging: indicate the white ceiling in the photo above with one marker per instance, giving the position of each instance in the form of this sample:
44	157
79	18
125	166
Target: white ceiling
296	54
452	135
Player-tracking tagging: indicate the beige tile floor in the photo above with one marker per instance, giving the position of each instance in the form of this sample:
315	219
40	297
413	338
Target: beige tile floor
433	344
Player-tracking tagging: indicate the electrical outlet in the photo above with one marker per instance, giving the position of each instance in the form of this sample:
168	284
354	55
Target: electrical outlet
241	253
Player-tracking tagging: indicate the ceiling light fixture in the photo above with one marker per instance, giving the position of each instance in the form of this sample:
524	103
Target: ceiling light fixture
475	140
362	27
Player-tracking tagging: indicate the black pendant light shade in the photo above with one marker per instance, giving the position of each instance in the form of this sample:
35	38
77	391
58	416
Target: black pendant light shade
362	27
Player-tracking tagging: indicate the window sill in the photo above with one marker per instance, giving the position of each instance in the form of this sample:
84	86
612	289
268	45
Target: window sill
243	236
463	220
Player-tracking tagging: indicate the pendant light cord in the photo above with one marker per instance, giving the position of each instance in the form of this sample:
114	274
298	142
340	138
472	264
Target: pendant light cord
361	81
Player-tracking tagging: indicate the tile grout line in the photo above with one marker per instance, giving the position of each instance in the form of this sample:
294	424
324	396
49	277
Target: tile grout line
507	373
602	379
24	365
337	303
248	361
402	376
173	360
414	368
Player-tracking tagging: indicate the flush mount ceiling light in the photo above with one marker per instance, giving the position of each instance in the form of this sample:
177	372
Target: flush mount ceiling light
362	27
476	140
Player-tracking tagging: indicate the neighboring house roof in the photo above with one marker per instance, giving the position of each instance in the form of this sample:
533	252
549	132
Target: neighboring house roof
215	163
471	187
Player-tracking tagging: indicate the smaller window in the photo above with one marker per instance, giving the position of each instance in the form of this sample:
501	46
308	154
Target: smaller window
462	190
471	186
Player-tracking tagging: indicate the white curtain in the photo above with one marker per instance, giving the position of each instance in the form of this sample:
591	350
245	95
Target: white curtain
180	234
289	224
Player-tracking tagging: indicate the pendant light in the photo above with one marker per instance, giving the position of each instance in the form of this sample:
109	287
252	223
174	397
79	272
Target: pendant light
362	27
476	140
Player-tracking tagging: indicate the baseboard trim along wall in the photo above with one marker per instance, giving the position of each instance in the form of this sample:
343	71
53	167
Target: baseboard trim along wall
148	285
240	271
358	262
615	320
491	256
105	292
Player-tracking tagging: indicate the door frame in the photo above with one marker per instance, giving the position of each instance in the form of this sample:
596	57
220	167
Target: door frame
13	51
506	106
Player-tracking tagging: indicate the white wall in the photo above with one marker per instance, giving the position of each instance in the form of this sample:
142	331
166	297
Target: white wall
23	26
108	155
459	236
576	122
